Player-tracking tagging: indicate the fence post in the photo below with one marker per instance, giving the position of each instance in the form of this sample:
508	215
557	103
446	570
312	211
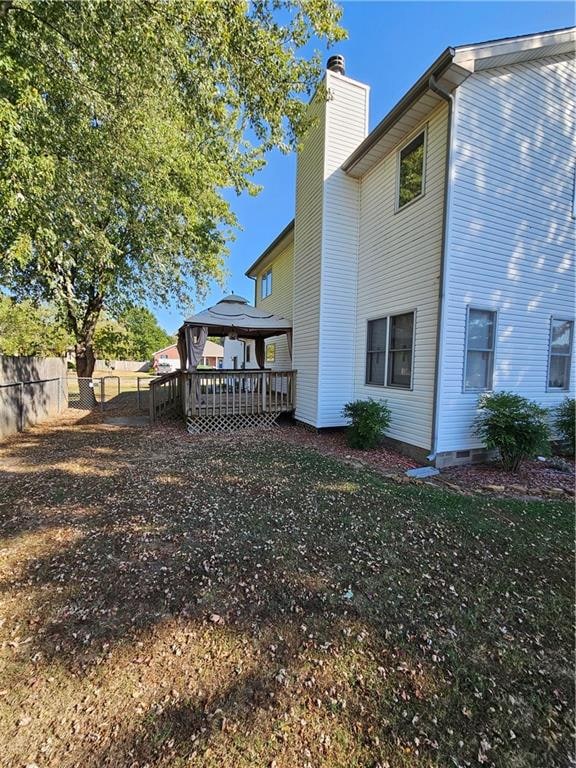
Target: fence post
138	392
58	384
102	392
20	406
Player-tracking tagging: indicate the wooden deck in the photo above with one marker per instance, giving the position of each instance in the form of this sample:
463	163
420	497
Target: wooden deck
221	394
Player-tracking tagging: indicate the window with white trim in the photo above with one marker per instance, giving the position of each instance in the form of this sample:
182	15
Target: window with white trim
389	351
266	284
411	170
560	353
479	360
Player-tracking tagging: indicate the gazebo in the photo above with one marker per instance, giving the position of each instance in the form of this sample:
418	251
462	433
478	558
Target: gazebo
232	317
224	400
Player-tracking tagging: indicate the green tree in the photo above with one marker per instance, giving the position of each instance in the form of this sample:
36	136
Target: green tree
120	126
144	334
27	329
111	340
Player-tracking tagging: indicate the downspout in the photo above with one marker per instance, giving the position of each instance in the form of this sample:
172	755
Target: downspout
449	99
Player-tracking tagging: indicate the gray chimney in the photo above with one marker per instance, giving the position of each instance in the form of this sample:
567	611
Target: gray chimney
336	64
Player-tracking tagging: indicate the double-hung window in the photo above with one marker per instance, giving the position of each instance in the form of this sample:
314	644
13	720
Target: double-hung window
480	339
560	356
266	284
389	351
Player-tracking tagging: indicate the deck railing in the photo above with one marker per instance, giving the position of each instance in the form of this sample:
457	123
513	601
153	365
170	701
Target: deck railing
233	392
165	397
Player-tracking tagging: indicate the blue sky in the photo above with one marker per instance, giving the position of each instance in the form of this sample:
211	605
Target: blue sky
389	45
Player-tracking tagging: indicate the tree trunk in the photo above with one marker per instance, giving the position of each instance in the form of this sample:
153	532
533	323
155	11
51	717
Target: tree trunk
85	363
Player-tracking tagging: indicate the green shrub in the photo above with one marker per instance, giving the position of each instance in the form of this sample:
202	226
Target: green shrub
515	426
565	424
369	420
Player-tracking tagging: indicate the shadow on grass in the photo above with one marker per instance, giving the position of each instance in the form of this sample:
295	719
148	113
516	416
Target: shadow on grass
135	532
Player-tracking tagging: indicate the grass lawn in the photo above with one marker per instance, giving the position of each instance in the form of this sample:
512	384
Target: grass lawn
242	602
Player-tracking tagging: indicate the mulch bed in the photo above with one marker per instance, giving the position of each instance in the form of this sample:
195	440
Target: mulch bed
534	478
334	443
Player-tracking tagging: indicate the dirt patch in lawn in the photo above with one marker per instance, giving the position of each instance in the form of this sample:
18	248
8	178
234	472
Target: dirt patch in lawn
172	601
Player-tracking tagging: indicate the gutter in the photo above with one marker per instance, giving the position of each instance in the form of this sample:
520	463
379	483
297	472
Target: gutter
449	99
418	89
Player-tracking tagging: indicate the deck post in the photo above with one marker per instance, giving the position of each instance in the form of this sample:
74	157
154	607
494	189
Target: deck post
151	405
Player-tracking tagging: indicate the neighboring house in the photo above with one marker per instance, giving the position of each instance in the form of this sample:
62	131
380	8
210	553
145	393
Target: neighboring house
431	260
168	359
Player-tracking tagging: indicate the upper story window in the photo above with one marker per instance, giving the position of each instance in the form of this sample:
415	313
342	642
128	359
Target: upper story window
411	170
266	284
479	360
389	351
560	356
271	353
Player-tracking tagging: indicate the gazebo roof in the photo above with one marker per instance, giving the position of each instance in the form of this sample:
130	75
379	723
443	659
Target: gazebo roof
233	314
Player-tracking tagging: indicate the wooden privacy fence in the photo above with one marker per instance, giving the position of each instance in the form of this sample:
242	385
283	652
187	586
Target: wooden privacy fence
25	403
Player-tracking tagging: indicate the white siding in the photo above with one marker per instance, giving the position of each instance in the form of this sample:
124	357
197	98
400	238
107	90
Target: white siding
511	241
307	250
238	348
399	266
280	301
346	127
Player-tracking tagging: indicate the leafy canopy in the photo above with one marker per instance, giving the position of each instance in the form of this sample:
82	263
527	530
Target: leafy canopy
26	329
120	126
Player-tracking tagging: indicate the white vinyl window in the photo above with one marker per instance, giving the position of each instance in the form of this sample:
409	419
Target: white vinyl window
266	284
560	354
389	351
480	339
411	164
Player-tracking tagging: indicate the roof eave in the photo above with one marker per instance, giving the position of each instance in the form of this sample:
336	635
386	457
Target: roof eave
419	88
288	229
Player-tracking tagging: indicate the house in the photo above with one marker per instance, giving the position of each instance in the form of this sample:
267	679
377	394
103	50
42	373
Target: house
169	358
431	259
239	354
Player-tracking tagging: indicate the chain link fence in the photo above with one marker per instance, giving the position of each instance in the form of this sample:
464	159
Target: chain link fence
108	393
